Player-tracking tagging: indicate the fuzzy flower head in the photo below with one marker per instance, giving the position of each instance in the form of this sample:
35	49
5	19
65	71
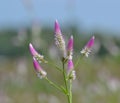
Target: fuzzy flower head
70	47
87	48
39	71
59	40
35	54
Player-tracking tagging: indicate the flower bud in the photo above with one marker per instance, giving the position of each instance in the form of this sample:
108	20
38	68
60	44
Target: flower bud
40	72
57	28
32	50
70	70
90	43
59	40
35	54
87	48
70	65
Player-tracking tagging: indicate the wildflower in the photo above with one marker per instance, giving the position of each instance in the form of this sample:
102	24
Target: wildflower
39	71
70	47
57	28
59	40
87	48
70	65
90	42
32	50
35	54
70	70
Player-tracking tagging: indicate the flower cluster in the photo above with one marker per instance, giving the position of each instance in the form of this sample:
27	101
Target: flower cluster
87	49
59	40
67	53
67	58
37	59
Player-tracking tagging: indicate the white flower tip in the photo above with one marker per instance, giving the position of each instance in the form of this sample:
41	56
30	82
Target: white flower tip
71	36
93	37
56	21
70	57
44	73
30	44
41	75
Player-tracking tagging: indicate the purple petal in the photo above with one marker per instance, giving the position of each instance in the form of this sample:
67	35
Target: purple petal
90	42
32	50
36	65
70	44
57	28
70	65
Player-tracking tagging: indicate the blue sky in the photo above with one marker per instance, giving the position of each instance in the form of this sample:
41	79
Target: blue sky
90	14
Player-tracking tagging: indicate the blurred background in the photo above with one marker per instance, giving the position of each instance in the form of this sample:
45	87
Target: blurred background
25	21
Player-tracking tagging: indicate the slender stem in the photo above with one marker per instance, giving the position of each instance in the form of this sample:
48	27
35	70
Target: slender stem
70	91
66	84
53	84
77	62
55	66
64	74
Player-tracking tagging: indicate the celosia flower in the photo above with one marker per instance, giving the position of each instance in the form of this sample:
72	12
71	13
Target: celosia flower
87	48
59	40
39	71
32	50
70	65
70	70
35	54
57	28
90	42
70	47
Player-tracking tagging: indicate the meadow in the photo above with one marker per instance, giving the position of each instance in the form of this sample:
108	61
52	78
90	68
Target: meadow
98	77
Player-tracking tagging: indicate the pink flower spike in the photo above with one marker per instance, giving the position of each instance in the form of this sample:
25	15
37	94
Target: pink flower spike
36	65
39	71
57	28
70	44
70	71
90	42
32	50
59	40
87	49
70	65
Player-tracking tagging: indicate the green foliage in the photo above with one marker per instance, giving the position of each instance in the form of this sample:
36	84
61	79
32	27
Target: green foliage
11	46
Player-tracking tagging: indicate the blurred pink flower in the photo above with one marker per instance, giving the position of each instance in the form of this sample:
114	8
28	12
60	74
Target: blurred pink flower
32	50
35	54
70	70
59	40
40	72
57	28
87	49
70	65
90	42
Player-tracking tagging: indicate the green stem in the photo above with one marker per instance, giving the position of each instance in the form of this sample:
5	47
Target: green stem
66	84
70	91
77	62
55	66
53	84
